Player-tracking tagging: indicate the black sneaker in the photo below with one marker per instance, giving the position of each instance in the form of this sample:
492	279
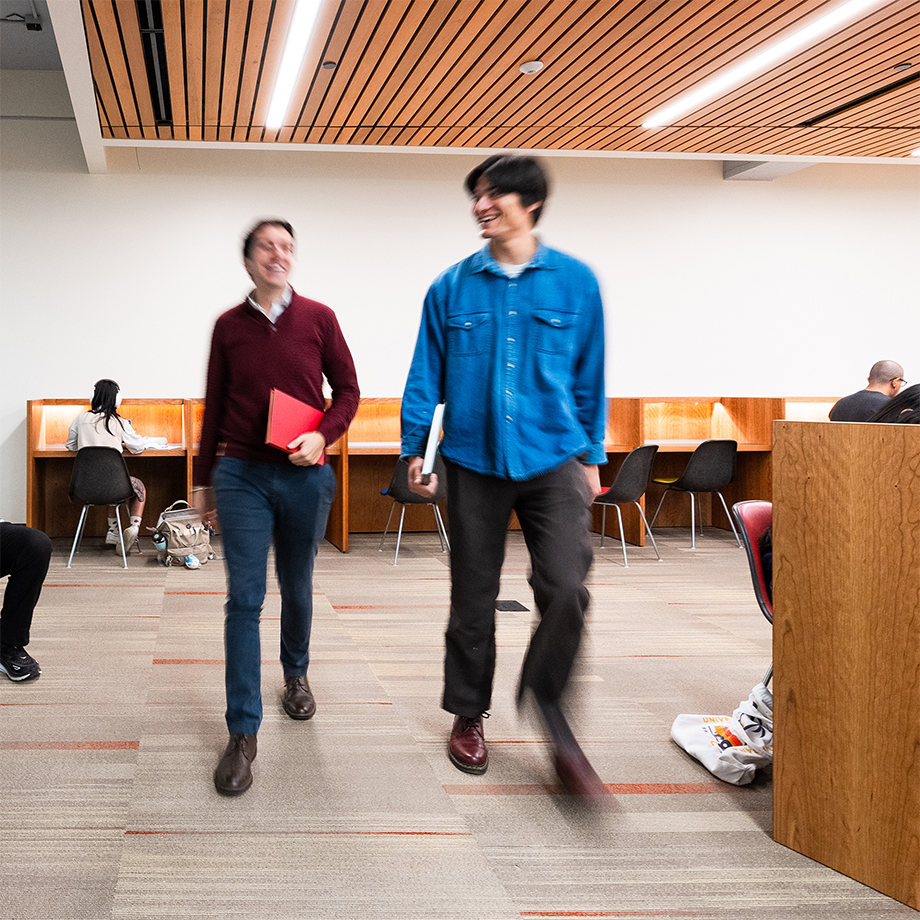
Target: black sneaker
18	664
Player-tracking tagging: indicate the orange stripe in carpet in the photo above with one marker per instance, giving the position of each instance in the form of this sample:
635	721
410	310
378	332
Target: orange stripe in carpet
69	745
612	913
385	606
360	703
188	661
216	593
267	661
493	741
288	833
612	788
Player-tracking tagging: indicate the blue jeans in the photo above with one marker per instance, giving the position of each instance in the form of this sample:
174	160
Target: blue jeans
258	503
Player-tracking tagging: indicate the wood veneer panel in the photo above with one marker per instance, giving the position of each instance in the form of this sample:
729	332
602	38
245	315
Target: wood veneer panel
846	648
156	418
194	68
417	28
747	420
370	62
337	525
214	55
110	115
139	85
175	67
235	44
257	30
624	424
112	33
331	40
678	419
377	420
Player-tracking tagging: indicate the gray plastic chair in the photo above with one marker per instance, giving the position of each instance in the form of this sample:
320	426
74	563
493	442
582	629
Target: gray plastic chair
710	468
100	477
629	486
402	495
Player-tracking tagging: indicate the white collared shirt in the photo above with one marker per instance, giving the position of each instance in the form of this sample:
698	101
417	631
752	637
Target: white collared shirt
278	306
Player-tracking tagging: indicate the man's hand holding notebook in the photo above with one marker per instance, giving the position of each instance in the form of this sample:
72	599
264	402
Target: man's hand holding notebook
288	419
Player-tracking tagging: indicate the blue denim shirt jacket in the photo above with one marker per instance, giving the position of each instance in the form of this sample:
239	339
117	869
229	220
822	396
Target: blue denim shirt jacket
518	362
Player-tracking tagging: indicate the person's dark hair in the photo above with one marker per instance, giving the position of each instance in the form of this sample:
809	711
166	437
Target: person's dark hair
269	222
903	409
507	174
104	394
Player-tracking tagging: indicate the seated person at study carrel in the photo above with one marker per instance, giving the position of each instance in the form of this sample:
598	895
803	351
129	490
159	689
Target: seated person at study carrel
885	379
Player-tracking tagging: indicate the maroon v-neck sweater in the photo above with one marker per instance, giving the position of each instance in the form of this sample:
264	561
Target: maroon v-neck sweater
250	356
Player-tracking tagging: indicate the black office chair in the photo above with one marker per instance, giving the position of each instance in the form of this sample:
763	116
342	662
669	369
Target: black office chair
402	495
754	518
99	477
629	485
710	468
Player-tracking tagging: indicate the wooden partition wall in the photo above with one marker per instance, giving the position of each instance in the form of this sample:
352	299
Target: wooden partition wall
846	649
364	458
678	426
167	474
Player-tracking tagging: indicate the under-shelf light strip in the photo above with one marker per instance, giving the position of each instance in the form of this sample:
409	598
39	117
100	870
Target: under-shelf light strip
758	63
295	47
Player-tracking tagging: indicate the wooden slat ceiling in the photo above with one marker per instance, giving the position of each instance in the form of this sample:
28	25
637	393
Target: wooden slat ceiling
445	73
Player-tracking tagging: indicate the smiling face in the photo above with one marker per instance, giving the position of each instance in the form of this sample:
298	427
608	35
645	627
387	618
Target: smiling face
501	217
271	255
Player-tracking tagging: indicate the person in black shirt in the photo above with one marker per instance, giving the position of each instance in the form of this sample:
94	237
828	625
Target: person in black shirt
885	380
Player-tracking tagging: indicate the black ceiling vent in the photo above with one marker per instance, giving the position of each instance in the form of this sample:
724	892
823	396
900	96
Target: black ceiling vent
150	18
855	102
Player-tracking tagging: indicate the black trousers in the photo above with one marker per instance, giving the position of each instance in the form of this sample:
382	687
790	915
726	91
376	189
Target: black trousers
24	556
554	512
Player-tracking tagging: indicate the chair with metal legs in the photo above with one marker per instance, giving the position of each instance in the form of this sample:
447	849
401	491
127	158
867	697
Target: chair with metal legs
402	495
629	486
100	477
710	468
754	519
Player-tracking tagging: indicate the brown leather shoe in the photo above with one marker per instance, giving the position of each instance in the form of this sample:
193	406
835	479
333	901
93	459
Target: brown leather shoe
467	746
576	774
298	700
233	776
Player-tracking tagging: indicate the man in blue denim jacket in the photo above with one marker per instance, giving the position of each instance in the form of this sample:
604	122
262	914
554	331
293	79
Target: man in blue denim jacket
512	341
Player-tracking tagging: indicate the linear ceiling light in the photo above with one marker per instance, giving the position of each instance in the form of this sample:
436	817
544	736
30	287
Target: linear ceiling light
759	62
295	47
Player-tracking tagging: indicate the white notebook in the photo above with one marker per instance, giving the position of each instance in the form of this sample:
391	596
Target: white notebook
434	437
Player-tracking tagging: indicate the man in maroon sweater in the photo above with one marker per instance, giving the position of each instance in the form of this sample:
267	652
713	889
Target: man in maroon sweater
274	339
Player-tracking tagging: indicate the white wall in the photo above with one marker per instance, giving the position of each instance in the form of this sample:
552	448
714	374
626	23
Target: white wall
790	287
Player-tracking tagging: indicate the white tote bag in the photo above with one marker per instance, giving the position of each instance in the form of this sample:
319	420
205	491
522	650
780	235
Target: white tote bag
731	747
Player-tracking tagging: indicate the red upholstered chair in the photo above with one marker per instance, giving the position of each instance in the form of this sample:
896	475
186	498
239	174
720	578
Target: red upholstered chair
754	517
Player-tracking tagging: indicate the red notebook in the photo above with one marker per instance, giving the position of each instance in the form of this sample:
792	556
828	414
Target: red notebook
288	418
